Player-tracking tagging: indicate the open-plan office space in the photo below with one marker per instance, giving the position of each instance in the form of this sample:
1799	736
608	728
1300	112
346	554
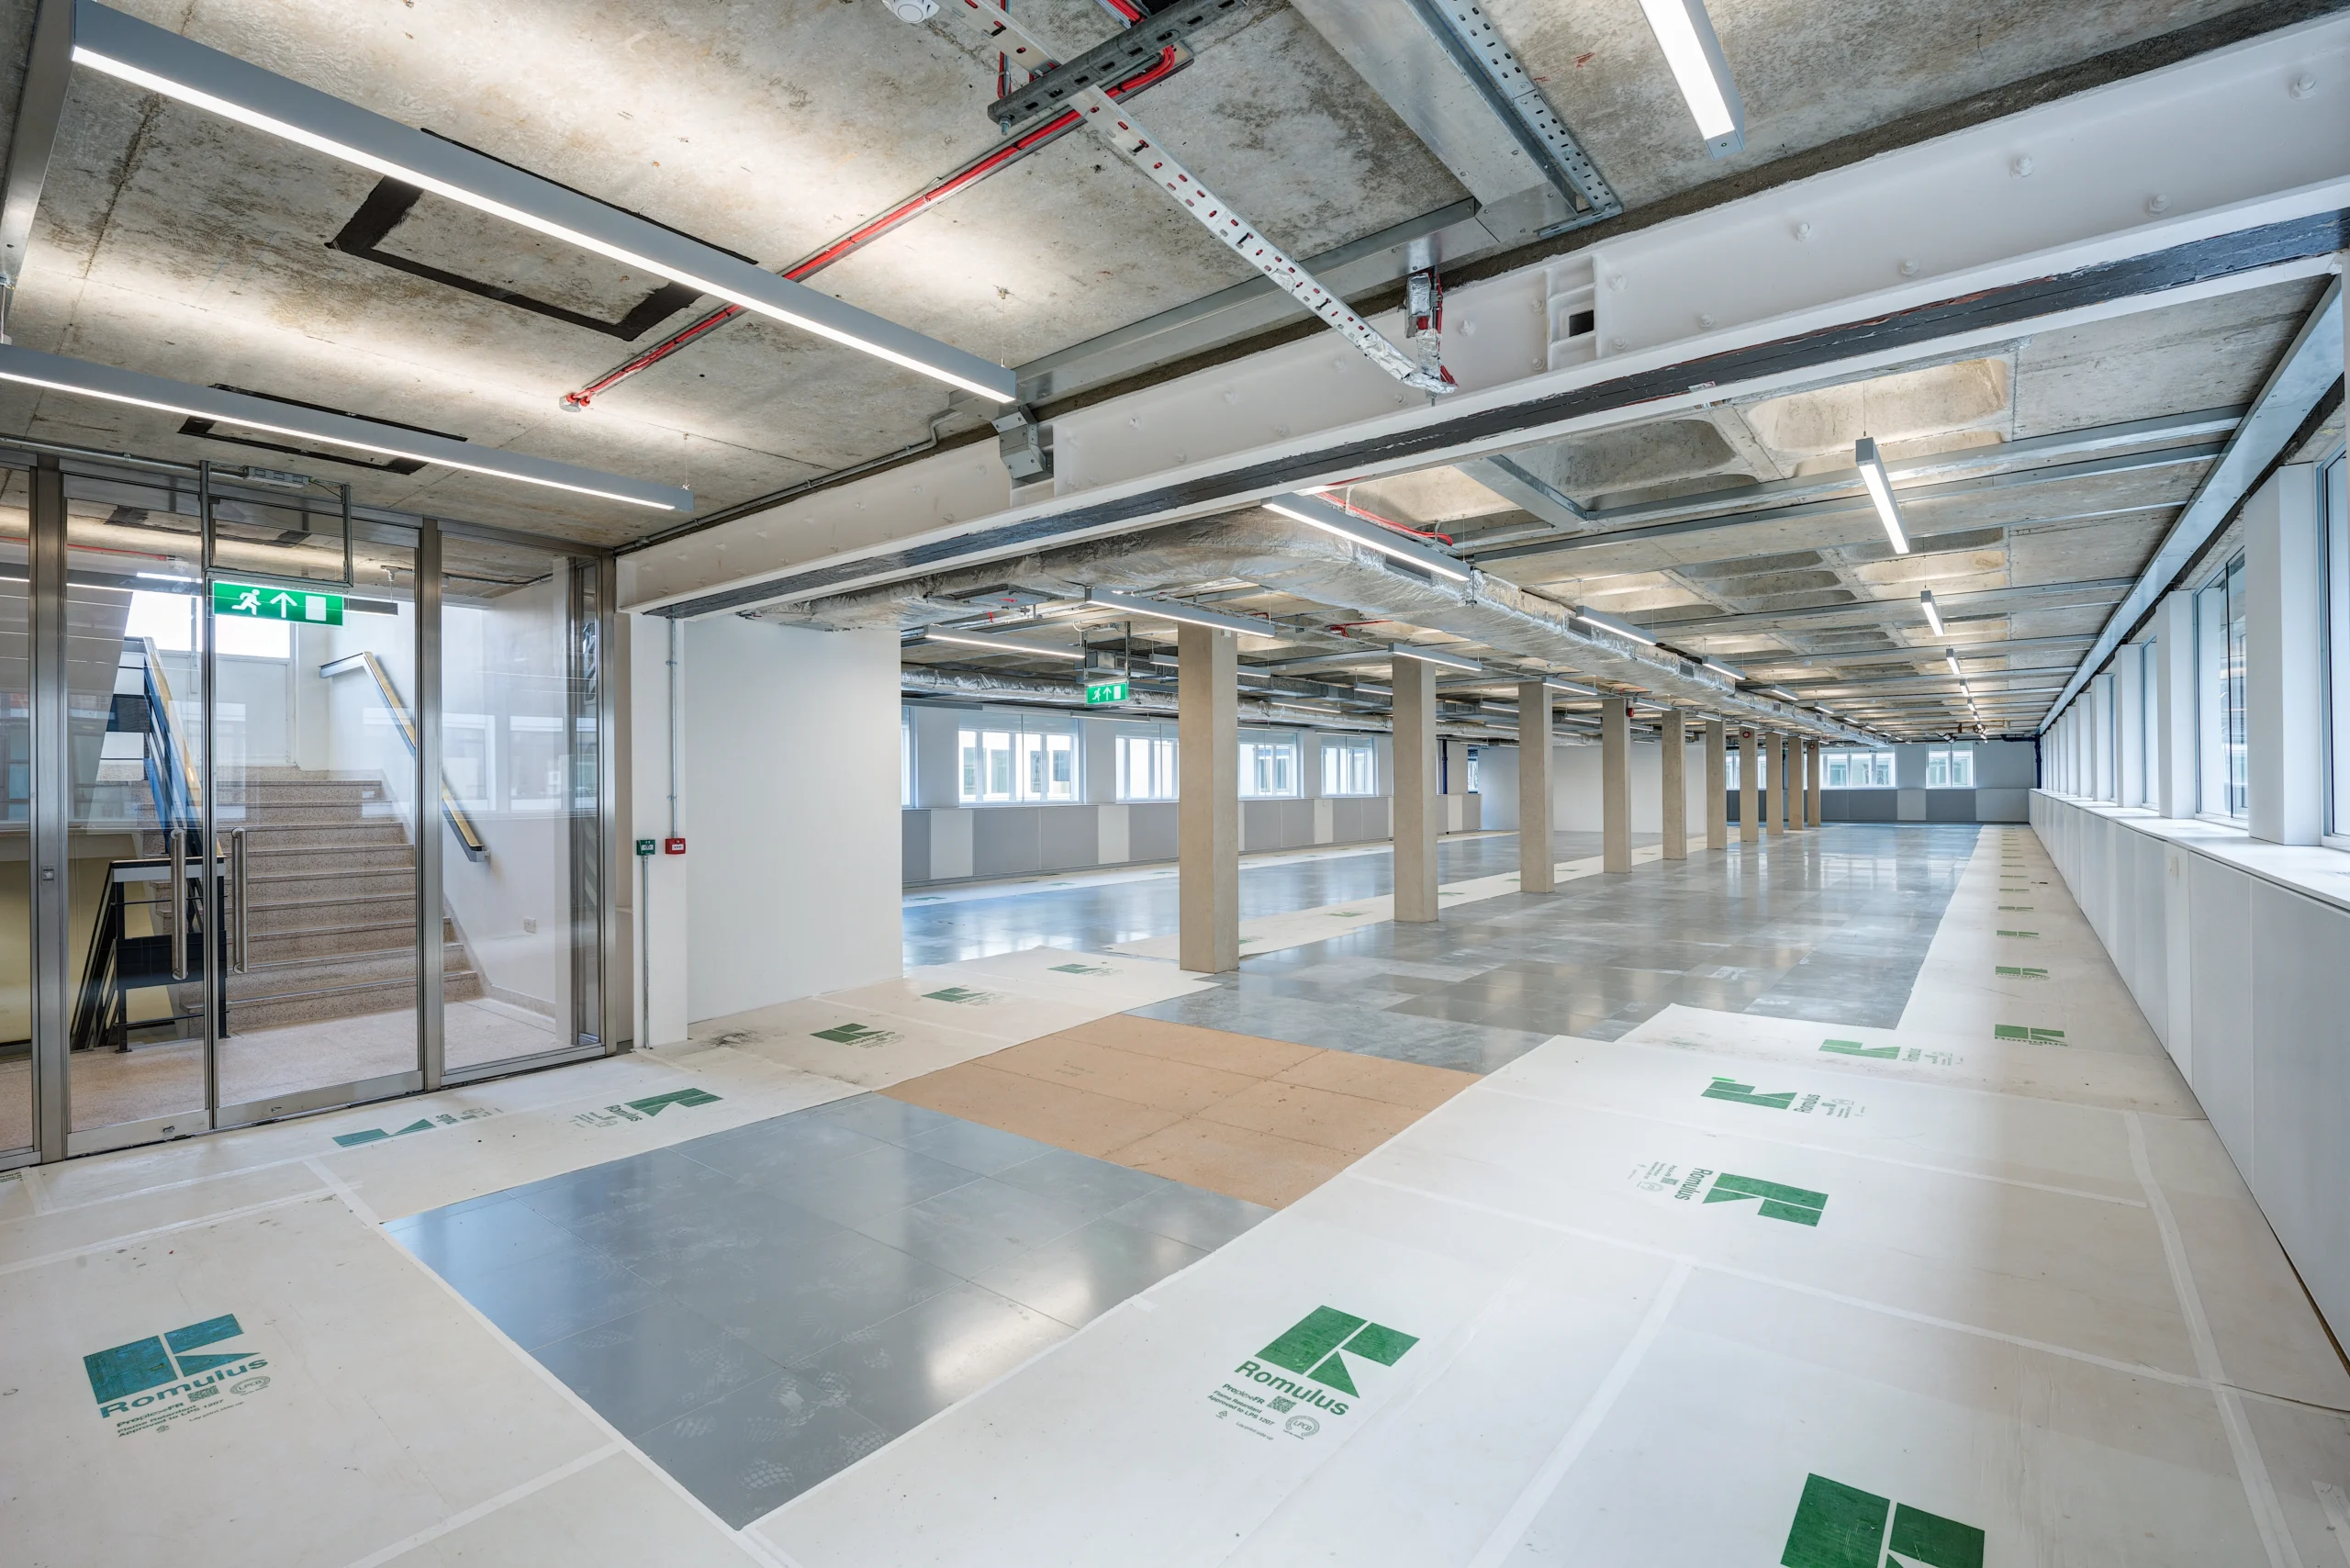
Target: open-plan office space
835	783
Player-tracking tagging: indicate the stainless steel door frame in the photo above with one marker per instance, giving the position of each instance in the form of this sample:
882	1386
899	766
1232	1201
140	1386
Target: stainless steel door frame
52	808
431	1022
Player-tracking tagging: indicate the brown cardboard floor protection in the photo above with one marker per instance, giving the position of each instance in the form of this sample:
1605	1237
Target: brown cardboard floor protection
1252	1118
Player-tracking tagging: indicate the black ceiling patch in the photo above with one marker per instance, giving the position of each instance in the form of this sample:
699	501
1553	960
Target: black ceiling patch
208	430
390	201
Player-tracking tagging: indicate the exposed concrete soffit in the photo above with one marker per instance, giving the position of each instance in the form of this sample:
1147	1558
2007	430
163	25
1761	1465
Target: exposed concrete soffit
2304	377
1285	558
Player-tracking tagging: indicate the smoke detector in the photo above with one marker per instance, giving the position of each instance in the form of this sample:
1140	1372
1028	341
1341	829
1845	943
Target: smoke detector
912	10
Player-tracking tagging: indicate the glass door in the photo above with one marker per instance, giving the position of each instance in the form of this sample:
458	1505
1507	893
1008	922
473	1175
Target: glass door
242	828
312	774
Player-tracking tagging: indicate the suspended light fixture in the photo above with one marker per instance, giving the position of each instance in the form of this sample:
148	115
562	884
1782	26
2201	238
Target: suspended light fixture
162	62
1933	614
1871	467
1620	627
1144	608
996	645
1428	655
1315	513
54	372
1685	33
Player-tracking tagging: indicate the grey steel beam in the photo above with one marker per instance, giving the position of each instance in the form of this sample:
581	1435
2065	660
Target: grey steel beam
1873	608
1509	479
2301	379
1859	505
48	69
1493	69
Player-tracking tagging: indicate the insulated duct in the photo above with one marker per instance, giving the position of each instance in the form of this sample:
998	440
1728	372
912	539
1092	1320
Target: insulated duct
1289	558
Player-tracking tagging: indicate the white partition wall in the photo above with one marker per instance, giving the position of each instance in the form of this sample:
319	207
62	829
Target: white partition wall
792	757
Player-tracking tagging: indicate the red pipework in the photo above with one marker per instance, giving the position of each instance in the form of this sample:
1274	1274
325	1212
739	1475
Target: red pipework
864	234
1402	528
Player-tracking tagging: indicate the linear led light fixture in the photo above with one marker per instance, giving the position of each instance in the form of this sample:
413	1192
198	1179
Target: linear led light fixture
1622	628
1144	608
1949	656
162	62
1315	513
1685	34
1933	614
1428	655
997	644
1871	467
53	373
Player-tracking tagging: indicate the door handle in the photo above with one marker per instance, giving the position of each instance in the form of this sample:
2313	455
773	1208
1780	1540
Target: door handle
237	878
179	904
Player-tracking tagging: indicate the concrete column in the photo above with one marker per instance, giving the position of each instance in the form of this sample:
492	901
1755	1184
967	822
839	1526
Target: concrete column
1537	865
1717	786
1811	772
2284	685
1798	815
1616	783
1774	777
1417	802
1207	833
1676	785
1749	784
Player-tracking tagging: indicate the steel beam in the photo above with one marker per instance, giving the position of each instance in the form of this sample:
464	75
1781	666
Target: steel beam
1859	505
48	69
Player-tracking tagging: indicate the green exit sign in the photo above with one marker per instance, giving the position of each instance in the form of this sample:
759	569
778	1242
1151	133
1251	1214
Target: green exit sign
277	604
1101	692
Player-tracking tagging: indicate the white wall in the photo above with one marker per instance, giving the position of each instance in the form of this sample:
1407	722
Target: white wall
2245	978
658	882
792	813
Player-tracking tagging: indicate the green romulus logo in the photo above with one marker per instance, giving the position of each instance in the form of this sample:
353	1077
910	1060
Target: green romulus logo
179	1362
1317	1348
1843	1526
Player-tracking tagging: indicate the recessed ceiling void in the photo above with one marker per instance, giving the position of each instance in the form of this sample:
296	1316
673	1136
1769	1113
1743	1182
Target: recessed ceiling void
1791	587
181	245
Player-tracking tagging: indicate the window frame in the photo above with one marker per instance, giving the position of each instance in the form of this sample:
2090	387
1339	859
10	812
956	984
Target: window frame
1338	754
2222	780
2333	639
1024	746
1274	748
1159	750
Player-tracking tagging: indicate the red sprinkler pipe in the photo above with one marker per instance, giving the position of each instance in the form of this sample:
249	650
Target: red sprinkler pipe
1404	528
864	234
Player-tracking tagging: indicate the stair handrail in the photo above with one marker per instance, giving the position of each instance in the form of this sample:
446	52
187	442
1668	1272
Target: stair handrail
177	767
468	837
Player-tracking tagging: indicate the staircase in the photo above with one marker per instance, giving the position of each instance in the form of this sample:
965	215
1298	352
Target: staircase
331	877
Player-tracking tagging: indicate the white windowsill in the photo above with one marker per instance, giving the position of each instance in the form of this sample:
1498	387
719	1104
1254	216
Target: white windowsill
2313	870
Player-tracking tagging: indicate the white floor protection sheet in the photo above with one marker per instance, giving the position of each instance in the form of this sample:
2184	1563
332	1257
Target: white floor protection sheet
1298	928
1622	1304
936	1017
240	1367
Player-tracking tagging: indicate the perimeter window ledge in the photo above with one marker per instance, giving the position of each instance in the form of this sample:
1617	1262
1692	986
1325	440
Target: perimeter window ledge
2313	870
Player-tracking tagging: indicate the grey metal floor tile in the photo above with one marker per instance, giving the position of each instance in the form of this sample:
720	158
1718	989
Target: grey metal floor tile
901	1373
652	1365
975	1225
783	1147
975	1148
722	1235
763	1444
461	1245
642	1183
878	1116
1094	1186
886	1177
790	1305
1198	1218
1077	1277
556	1292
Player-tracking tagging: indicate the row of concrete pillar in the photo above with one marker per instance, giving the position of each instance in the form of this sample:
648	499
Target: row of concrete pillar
1208	737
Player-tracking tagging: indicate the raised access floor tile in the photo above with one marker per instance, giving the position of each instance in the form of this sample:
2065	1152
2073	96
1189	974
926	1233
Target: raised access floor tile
652	1365
901	1371
763	1444
1077	1277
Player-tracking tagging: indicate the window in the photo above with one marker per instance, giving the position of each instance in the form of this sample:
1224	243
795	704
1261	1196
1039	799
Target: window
1147	767
170	619
2334	495
1867	770
2150	725
1472	770
1950	769
1268	770
2221	771
1350	767
1730	770
999	767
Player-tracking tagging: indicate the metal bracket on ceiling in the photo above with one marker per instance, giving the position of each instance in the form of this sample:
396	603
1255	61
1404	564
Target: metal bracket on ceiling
1022	441
1111	61
1496	72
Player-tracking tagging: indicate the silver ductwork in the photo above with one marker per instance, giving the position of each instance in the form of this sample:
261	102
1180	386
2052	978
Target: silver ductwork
1275	554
